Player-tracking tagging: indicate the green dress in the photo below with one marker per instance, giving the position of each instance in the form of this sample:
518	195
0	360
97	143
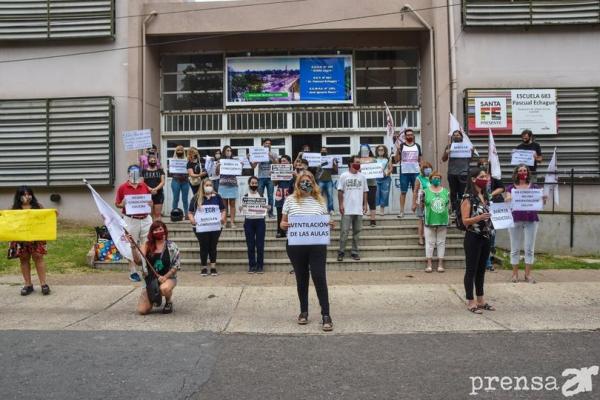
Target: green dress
436	207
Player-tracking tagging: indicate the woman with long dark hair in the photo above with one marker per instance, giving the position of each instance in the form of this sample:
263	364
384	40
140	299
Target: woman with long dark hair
164	258
26	251
475	214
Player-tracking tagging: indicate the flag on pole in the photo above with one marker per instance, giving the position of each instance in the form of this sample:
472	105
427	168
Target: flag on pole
551	179
455	126
493	158
391	138
403	128
389	121
114	223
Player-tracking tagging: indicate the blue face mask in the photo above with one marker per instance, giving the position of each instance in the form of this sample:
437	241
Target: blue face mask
427	171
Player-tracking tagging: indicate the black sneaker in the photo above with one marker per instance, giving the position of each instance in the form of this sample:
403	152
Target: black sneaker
26	290
327	323
373	223
260	271
45	290
340	257
213	272
355	257
168	308
204	272
279	235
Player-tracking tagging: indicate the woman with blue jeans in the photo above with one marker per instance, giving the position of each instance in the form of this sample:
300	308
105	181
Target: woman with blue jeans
382	196
180	184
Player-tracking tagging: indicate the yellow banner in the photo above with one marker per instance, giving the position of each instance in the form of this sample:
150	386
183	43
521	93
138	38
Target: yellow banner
27	225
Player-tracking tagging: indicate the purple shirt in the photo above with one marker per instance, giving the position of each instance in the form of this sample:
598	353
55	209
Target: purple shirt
523	216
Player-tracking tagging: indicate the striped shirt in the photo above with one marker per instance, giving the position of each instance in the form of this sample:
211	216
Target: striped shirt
306	206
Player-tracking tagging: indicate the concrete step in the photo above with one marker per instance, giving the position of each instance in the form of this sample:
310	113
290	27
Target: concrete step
283	264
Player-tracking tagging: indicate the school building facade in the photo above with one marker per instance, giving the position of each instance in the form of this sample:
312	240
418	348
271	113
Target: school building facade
73	78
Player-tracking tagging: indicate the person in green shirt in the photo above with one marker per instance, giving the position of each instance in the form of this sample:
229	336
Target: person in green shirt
436	202
421	183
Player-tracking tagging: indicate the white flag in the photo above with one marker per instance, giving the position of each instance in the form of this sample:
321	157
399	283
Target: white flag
493	158
551	180
455	126
389	121
114	223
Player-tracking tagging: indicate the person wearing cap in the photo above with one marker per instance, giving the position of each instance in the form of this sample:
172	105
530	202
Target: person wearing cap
527	143
138	225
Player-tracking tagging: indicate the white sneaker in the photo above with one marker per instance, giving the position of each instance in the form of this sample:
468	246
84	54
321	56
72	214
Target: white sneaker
401	215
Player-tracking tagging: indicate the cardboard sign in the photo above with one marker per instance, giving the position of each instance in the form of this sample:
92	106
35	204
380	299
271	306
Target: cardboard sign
523	157
178	166
136	204
281	172
230	167
27	225
305	230
137	140
329	160
314	159
501	215
371	170
527	199
255	206
244	161
461	150
259	154
208	219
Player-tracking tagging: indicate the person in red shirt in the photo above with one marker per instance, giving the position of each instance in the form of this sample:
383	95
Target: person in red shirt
136	211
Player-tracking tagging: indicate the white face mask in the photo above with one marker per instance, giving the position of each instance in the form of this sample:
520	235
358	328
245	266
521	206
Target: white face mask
208	189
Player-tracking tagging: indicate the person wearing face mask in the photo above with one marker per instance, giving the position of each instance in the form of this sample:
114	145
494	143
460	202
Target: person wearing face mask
308	260
228	186
138	225
164	257
421	184
212	174
284	189
154	178
382	195
196	172
366	157
264	175
143	160
458	169
208	241
254	229
352	198
27	251
408	154
475	214
527	143
179	183
525	226
436	200
495	189
324	179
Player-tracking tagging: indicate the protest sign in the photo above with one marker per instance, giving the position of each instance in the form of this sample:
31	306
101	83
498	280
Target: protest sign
27	225
244	160
501	215
461	150
527	199
371	170
137	140
523	157
329	160
314	159
208	219
178	166
281	172
255	206
230	167
305	230
259	154
138	204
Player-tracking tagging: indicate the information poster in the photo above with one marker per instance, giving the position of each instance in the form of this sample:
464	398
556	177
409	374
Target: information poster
534	109
306	230
208	219
281	172
254	206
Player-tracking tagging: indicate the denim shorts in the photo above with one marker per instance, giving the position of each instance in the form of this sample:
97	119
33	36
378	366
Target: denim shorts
407	180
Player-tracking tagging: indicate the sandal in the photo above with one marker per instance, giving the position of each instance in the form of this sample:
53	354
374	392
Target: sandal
514	279
486	307
475	310
303	318
327	323
25	290
428	269
168	308
45	290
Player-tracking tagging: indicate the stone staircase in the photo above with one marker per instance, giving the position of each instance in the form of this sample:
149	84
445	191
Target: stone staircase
391	245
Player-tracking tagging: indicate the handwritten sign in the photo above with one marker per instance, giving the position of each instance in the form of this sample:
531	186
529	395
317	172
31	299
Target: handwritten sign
281	172
305	230
27	225
371	170
501	215
136	204
254	206
208	219
461	150
178	166
137	140
329	160
527	199
244	161
314	159
523	157
259	154
230	167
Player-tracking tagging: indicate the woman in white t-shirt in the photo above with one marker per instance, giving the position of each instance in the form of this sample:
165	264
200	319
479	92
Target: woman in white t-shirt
308	260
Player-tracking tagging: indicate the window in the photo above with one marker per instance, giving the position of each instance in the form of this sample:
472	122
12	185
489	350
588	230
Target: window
339	145
391	76
208	146
56	142
57	19
192	82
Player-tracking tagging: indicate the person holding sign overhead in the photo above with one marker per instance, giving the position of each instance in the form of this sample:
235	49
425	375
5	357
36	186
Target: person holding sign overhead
207	216
228	186
135	200
254	226
458	168
179	179
264	175
525	225
527	143
408	154
309	259
27	251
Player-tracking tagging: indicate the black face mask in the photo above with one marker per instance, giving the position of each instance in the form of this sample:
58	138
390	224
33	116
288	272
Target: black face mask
180	154
323	153
457	139
152	163
253	188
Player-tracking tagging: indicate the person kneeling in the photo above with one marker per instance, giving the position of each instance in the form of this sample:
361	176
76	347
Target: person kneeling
163	257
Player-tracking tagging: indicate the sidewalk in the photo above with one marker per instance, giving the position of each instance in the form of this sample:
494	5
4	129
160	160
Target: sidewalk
361	302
